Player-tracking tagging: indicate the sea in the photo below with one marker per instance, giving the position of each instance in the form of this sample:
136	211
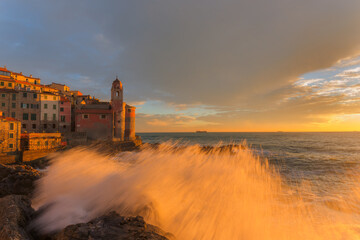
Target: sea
284	186
322	158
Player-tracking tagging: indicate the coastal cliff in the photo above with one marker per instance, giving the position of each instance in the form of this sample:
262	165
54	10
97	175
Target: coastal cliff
16	214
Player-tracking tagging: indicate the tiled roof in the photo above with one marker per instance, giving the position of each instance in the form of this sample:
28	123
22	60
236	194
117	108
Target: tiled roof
94	111
128	106
6	79
15	73
10	119
8	90
63	99
4	69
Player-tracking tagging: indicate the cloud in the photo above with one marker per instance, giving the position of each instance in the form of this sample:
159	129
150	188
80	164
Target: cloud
205	52
229	63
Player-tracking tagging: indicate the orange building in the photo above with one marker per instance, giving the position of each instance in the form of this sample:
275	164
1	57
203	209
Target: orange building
14	80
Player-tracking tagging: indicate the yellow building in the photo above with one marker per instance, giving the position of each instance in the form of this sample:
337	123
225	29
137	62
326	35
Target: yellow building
40	141
9	134
13	80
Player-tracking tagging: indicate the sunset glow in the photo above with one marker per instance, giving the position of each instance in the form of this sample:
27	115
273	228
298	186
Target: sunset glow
204	67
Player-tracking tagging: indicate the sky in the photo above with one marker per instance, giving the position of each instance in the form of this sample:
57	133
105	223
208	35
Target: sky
216	65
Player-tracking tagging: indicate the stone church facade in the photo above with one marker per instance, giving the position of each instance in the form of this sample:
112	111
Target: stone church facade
107	120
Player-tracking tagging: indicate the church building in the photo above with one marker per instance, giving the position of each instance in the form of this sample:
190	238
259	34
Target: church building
107	120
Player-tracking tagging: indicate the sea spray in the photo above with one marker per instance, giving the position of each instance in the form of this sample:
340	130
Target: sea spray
190	192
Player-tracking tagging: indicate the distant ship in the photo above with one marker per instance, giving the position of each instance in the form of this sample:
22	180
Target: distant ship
201	131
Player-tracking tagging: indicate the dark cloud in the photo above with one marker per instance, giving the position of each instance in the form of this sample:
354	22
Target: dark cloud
208	52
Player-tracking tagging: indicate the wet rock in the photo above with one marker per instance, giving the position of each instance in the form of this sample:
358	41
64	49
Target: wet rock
15	214
113	226
17	179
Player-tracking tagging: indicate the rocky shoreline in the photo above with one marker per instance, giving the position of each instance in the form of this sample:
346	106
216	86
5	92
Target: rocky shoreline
17	184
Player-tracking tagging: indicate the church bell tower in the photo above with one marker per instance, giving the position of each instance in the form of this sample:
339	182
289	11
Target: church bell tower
118	107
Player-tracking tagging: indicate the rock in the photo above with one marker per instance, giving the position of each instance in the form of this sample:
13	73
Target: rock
17	179
113	226
15	214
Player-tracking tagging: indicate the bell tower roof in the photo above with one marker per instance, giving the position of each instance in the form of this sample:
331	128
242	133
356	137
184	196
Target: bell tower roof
117	83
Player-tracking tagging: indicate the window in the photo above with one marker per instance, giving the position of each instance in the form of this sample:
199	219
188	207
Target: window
54	116
13	96
11	126
11	145
23	105
34	126
61	102
32	106
2	83
129	110
54	98
45	97
45	106
46	143
24	126
45	116
5	73
3	104
13	115
54	106
38	143
10	84
3	95
33	116
61	109
54	126
117	94
62	118
64	126
11	135
85	116
24	94
13	105
103	116
45	126
27	105
25	116
35	95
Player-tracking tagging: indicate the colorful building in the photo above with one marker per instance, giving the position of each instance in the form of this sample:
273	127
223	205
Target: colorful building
12	80
64	115
104	120
22	105
49	112
40	141
96	120
9	134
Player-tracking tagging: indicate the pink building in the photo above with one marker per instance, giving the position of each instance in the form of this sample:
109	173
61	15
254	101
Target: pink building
107	120
64	115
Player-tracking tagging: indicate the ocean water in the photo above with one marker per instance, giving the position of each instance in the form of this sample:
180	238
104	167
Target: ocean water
321	158
282	186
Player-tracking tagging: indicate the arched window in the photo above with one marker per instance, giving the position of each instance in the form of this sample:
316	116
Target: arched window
117	94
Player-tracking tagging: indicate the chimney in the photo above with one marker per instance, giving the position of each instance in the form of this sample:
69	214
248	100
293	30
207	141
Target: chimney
5	66
30	75
20	73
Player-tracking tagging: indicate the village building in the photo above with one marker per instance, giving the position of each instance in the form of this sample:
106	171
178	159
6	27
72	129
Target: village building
64	115
84	99
40	141
107	120
11	80
9	134
61	87
49	112
22	105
